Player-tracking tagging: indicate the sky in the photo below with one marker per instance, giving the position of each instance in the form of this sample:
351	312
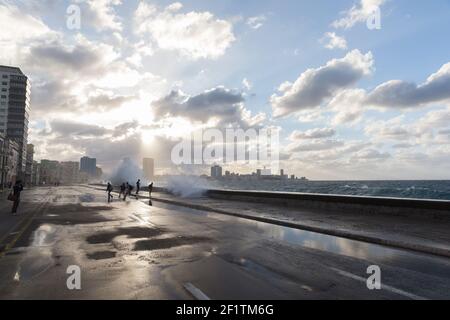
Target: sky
354	97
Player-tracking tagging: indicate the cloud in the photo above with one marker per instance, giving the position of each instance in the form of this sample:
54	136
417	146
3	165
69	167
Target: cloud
348	106
371	154
256	22
315	86
402	94
69	128
194	34
358	13
247	84
318	133
316	145
101	14
220	104
333	41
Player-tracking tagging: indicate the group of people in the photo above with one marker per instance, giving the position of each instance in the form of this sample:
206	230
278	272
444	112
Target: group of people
126	189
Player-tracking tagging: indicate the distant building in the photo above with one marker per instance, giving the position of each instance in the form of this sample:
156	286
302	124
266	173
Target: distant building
98	173
216	172
29	165
148	166
69	172
50	172
15	91
89	166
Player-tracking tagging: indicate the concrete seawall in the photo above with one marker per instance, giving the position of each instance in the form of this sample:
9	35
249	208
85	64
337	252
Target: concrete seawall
436	209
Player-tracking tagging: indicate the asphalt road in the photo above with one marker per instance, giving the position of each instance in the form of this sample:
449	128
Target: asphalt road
138	250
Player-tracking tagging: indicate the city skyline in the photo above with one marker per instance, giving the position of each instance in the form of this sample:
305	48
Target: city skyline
352	103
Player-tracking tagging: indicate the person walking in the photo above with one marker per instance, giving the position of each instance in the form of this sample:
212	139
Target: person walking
128	189
138	188
15	196
122	190
109	189
150	189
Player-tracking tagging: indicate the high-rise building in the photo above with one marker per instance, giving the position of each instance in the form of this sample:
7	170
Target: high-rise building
15	91
148	166
89	166
216	172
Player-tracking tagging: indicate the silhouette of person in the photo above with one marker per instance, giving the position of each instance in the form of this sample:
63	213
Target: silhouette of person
138	186
122	190
150	189
17	189
109	189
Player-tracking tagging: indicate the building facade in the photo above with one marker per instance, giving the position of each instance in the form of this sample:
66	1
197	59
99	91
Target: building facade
9	161
69	172
15	91
50	172
89	166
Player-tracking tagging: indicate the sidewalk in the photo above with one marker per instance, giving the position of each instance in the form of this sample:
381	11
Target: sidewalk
430	236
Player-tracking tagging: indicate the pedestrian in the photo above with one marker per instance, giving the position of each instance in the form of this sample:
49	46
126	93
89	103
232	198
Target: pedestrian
109	189
138	187
122	190
15	196
150	189
127	191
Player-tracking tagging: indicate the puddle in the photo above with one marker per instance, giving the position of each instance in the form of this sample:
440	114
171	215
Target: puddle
159	244
356	249
131	233
38	256
87	198
101	255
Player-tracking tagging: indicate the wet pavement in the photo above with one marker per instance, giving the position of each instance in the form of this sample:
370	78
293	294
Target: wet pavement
133	250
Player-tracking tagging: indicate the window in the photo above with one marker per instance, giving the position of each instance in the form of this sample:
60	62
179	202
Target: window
4	83
5	76
3	97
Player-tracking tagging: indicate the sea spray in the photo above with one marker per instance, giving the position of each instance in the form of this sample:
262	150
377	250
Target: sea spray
188	186
128	171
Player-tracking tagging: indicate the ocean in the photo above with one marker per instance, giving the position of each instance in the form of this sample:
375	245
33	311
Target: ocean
438	190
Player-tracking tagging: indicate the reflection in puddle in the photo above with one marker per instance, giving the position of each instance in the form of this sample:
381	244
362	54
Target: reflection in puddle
356	249
38	257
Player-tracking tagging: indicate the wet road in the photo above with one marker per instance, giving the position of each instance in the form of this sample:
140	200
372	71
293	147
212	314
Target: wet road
131	250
